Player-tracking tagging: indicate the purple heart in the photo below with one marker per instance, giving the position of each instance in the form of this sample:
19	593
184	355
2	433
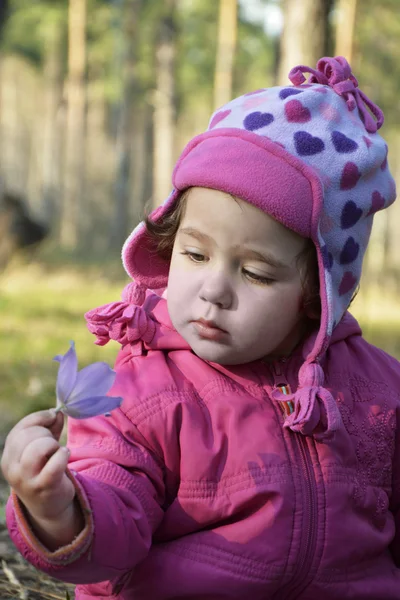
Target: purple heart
347	284
306	144
297	113
286	92
350	176
327	258
350	251
351	214
256	120
378	202
342	143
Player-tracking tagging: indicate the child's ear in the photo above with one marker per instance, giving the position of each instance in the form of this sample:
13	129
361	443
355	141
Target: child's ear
313	312
312	308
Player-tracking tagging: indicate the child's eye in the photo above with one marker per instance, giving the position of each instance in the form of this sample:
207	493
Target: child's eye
194	256
258	278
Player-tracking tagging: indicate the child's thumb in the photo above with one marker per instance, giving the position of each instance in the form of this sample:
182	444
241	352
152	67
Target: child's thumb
57	425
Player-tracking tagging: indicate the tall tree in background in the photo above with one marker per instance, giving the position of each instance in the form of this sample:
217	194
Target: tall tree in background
4	9
346	17
72	210
227	35
130	11
53	74
164	102
305	34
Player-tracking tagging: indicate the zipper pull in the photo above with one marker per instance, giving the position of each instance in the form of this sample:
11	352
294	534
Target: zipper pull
278	373
282	386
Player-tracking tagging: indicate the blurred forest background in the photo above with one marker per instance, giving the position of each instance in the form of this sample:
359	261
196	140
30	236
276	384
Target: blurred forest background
97	100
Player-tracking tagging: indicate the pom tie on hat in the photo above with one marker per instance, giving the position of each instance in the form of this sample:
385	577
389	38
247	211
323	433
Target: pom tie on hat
125	322
315	410
134	293
336	72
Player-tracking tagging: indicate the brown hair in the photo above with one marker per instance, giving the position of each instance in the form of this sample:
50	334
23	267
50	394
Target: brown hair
163	233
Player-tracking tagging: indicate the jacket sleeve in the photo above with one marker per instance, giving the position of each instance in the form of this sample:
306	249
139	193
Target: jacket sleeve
120	488
395	496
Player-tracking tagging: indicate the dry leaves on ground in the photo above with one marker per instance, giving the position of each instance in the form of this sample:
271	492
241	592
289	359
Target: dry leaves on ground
20	581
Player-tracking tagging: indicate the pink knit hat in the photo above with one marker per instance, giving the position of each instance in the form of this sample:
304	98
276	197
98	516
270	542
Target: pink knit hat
309	156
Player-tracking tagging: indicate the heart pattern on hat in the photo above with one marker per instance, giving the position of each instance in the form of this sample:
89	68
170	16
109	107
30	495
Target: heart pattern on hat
257	120
286	92
218	117
367	141
378	202
342	143
297	113
348	283
306	144
329	112
350	176
327	258
253	102
255	92
351	214
326	223
350	251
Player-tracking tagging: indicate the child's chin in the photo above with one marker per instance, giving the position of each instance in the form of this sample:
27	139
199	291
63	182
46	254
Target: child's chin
221	356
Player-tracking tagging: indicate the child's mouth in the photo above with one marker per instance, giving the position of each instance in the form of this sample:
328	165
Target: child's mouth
209	330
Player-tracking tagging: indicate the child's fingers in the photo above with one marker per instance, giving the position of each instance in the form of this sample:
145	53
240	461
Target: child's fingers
18	441
57	427
36	454
54	469
44	418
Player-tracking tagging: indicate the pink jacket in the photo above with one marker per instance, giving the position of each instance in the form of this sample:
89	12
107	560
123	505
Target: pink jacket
194	489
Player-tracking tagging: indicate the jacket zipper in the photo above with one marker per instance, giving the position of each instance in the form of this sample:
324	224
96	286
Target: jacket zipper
309	497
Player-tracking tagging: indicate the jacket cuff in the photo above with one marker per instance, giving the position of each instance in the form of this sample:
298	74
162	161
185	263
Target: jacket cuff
66	554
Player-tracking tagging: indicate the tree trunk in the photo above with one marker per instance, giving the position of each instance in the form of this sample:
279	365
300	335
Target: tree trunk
126	126
72	208
164	104
227	34
53	75
304	38
4	10
140	186
346	16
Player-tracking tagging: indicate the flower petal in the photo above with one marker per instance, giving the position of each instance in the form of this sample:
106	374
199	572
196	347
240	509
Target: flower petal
91	406
93	380
67	374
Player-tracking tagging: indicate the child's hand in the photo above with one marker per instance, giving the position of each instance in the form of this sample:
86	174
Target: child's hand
34	465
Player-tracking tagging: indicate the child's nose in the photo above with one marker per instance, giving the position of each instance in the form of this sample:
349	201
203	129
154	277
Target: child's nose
217	289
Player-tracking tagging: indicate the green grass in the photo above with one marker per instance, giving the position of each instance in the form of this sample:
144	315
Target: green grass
41	311
42	308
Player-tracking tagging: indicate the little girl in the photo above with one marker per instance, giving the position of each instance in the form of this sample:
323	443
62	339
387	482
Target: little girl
256	453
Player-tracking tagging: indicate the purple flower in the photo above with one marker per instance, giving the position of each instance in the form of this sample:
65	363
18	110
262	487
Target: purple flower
83	395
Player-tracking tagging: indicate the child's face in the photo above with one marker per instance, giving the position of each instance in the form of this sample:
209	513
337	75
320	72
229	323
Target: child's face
234	288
